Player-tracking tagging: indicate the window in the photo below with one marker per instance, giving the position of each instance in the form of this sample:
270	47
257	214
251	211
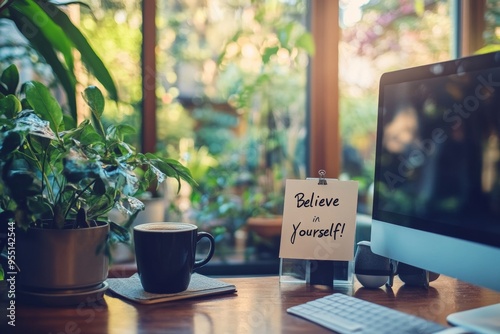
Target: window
490	35
234	76
120	49
242	119
378	37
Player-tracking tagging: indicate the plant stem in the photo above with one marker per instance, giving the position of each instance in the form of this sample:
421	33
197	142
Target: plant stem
40	165
75	197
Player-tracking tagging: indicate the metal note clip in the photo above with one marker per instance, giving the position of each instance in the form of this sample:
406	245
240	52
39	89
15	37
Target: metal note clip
322	177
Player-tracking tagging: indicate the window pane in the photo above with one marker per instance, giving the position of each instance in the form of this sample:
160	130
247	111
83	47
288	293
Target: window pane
113	28
491	34
380	36
231	81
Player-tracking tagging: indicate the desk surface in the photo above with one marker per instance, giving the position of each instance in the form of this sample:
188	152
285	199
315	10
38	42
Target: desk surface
259	306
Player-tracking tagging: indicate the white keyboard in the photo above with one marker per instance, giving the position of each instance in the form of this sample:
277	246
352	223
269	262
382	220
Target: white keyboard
345	314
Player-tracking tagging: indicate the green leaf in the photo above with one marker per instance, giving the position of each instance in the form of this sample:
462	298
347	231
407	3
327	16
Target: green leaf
95	100
99	204
99	187
35	20
89	57
488	48
261	80
39	204
78	167
39	144
118	233
44	104
85	134
22	181
284	34
81	218
69	120
268	53
118	132
183	172
11	142
65	75
172	168
222	55
10	106
22	217
66	3
10	78
306	42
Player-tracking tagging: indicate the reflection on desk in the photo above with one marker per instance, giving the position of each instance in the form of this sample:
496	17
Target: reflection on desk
258	307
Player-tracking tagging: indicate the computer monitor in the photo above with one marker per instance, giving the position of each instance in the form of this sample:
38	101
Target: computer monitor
437	172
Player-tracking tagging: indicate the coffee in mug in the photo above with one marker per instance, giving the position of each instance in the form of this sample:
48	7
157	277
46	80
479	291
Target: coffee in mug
165	255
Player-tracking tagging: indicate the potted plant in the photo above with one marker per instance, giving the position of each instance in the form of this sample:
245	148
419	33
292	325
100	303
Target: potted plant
265	218
59	182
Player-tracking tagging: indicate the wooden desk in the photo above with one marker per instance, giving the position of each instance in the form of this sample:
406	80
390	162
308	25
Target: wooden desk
258	307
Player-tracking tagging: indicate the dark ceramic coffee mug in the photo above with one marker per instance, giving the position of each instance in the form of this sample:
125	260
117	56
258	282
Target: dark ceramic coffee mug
165	255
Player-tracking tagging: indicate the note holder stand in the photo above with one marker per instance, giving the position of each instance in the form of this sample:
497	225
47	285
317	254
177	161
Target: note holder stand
317	272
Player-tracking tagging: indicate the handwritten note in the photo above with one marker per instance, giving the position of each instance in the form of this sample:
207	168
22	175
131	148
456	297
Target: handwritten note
319	221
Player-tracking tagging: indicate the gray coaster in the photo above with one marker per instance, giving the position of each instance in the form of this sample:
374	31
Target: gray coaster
131	289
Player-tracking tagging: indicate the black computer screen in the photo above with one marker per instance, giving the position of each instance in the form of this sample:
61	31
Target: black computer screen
438	150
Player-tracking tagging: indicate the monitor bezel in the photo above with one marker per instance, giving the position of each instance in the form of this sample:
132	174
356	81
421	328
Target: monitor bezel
432	246
435	70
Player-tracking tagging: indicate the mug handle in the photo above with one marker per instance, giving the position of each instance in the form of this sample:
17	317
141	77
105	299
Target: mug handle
203	262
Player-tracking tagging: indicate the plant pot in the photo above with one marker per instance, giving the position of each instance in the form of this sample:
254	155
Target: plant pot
266	227
268	232
61	262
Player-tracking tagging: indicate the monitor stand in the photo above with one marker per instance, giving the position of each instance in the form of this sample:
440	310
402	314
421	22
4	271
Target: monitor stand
482	320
